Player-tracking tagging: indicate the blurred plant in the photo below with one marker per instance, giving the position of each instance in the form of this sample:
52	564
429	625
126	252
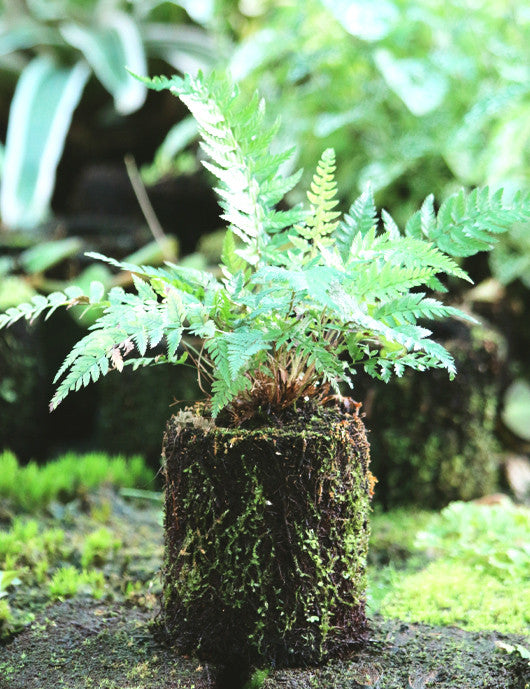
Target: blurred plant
54	47
493	539
479	552
98	547
68	581
411	97
24	545
510	260
516	409
33	487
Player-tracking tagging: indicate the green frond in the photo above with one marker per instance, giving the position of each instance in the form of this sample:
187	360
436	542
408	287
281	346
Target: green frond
414	306
387	280
224	355
358	222
467	223
237	142
242	345
321	221
128	321
40	304
88	360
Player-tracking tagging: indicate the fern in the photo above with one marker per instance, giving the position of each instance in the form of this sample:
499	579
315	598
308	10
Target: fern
321	221
362	218
238	144
468	223
304	297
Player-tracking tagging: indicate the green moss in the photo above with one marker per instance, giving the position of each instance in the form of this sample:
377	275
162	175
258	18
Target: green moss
68	581
477	578
25	545
98	547
32	487
452	593
266	539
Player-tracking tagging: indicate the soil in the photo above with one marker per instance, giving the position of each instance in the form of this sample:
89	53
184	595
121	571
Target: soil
83	644
112	643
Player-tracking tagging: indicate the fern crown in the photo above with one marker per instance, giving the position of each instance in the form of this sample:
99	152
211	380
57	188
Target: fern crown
302	298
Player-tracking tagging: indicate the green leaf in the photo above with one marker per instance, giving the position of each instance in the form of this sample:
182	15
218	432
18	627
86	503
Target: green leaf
419	83
45	255
365	19
39	120
361	219
516	412
96	292
108	49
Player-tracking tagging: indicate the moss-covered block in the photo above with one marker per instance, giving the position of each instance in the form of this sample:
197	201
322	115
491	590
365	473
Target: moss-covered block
433	439
266	538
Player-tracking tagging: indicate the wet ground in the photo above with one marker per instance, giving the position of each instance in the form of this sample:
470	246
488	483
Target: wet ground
110	643
86	644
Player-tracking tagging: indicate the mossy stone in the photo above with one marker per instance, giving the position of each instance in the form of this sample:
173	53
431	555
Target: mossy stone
433	439
23	408
266	538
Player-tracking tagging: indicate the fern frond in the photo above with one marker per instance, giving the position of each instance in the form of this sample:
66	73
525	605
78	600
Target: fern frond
242	345
411	307
88	360
321	221
128	320
361	219
226	385
467	223
387	280
40	304
237	141
223	394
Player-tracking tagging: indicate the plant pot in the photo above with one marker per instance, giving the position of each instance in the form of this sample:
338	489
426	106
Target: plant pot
266	535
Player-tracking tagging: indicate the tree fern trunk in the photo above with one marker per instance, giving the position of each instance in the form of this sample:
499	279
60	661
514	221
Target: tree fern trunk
266	538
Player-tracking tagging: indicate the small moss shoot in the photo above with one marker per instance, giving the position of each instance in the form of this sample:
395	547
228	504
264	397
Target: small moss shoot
68	581
99	546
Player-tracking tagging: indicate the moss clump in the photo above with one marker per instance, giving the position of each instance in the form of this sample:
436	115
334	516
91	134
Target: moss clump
32	487
98	547
468	599
477	578
68	581
266	539
432	439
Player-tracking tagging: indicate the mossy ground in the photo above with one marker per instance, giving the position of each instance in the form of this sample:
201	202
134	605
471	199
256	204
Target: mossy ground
108	643
83	644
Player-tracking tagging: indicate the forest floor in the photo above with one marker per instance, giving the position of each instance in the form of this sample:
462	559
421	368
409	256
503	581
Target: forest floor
98	633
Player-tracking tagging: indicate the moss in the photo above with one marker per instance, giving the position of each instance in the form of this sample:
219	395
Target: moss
477	577
68	581
98	547
266	539
26	545
468	598
32	487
